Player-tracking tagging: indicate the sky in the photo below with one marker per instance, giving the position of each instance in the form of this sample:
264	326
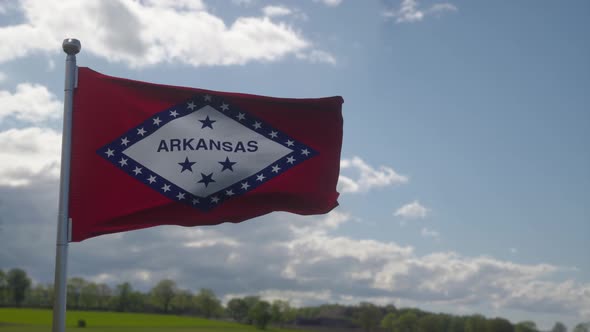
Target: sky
465	168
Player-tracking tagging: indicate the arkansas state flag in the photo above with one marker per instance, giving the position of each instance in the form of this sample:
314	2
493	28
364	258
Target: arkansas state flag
146	154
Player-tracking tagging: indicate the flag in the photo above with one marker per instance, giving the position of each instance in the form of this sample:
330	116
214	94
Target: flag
146	154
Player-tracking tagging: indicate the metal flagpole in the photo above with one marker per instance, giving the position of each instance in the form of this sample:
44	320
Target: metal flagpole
71	47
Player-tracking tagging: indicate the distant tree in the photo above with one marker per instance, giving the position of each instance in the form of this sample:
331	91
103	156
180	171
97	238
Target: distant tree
208	304
431	323
390	308
456	324
183	302
368	316
3	288
123	299
281	312
40	296
89	298
475	323
559	327
237	309
388	322
526	326
260	314
582	327
104	294
307	312
407	322
499	325
163	293
18	285
75	286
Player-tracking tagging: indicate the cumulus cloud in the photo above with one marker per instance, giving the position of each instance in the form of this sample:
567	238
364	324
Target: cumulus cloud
29	102
330	3
29	153
367	177
431	233
149	32
413	210
271	11
409	11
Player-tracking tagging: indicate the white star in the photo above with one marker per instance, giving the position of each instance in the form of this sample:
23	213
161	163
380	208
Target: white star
157	121
110	153
195	201
124	141
224	106
214	199
245	185
140	131
152	179
123	162
207	97
241	116
275	169
260	177
257	125
290	159
273	134
137	170
305	152
173	113
180	196
290	142
229	192
190	105
166	187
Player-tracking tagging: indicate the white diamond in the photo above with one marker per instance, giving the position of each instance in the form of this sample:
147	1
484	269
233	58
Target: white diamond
165	162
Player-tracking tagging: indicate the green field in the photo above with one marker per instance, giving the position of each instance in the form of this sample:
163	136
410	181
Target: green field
36	320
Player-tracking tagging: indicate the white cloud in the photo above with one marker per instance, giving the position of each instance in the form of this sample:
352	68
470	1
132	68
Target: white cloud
28	153
330	3
317	56
242	2
30	102
431	233
177	4
368	177
413	210
409	11
148	33
271	11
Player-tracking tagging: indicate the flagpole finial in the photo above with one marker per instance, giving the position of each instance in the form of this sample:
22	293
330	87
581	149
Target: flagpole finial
71	46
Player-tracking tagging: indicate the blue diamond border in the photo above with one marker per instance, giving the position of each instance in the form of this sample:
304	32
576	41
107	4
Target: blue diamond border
113	152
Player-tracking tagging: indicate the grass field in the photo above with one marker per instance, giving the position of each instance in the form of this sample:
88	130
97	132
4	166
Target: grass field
37	320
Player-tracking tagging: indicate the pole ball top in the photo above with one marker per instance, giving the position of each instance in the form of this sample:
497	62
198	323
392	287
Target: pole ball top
71	46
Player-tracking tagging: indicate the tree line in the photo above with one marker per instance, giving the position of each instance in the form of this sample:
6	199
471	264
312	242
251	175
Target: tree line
17	290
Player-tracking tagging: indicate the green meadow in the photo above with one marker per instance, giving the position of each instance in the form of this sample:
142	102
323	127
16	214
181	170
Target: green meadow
34	320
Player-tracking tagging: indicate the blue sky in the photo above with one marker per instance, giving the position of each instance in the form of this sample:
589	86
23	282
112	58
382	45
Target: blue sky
465	168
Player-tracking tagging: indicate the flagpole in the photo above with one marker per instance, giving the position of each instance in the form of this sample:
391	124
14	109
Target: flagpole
71	47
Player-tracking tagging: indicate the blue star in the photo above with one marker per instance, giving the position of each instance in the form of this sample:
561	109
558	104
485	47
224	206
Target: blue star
206	179
227	164
186	165
207	122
